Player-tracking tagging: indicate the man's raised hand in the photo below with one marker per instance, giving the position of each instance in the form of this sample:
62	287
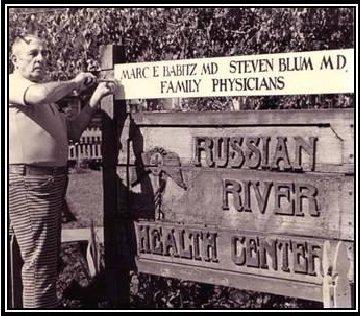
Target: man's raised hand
103	89
84	80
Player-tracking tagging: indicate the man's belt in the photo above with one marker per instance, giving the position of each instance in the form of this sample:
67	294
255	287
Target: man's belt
36	170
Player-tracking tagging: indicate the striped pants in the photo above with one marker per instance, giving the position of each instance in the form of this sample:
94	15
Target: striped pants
35	205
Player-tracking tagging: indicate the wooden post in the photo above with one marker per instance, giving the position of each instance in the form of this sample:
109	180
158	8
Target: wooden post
115	220
342	289
336	284
327	279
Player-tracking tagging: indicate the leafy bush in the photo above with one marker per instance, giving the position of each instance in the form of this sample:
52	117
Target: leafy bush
77	290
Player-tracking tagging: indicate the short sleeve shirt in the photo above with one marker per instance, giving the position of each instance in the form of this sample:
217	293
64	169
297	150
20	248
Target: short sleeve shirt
37	133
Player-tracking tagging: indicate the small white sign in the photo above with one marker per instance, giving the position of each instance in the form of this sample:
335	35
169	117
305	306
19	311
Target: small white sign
315	72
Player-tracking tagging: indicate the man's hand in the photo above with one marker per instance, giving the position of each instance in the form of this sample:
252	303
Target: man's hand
83	81
78	125
103	89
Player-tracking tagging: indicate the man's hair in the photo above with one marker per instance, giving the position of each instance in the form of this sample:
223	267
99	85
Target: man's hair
21	39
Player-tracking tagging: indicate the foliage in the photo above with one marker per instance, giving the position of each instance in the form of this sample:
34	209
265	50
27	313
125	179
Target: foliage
75	35
77	290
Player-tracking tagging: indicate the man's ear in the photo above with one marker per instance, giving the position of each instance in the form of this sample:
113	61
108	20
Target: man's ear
14	59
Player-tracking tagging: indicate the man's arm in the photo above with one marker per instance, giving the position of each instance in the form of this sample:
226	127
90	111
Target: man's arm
78	125
49	92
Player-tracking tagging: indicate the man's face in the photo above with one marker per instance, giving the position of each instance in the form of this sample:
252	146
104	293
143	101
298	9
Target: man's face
30	59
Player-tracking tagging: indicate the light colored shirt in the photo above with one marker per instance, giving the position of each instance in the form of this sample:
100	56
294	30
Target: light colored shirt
37	133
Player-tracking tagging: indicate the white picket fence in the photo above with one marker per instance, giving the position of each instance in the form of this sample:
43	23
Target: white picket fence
89	146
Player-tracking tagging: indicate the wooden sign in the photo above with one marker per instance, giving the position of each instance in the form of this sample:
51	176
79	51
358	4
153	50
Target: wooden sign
257	200
244	199
280	264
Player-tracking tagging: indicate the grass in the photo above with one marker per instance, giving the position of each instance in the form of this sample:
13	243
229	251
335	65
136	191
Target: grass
85	198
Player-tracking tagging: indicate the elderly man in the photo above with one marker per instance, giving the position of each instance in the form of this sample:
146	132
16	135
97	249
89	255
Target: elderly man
38	151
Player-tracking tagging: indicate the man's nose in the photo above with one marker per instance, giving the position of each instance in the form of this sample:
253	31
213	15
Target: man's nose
40	57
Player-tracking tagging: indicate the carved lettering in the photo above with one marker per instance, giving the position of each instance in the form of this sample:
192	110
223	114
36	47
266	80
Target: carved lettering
170	244
221	149
253	154
281	154
315	251
231	187
262	198
247	199
265	153
308	192
236	155
228	152
246	251
177	243
204	144
283	190
183	251
143	239
267	248
252	253
209	247
196	235
300	259
309	148
290	256
285	246
289	199
238	257
156	243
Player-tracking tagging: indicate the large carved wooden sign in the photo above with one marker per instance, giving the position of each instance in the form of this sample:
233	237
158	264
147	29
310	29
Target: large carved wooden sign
245	199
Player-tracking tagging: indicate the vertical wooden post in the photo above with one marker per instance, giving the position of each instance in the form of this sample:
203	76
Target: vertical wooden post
337	291
115	224
342	288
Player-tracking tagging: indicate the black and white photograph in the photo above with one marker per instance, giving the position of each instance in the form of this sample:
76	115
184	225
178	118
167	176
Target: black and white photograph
179	157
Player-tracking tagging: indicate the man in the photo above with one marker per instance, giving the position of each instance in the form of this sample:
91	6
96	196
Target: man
38	151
